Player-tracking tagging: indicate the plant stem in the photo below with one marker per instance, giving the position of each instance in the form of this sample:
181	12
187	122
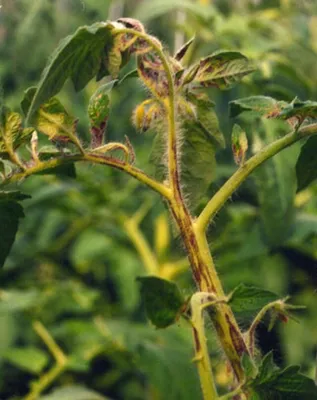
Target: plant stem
201	351
45	381
96	159
221	315
169	106
201	262
61	362
224	193
146	254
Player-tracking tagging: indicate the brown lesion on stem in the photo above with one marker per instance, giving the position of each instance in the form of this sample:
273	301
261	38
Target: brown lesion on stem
236	337
196	341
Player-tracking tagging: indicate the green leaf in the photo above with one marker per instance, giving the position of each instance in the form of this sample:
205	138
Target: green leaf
249	300
288	384
162	299
306	166
29	359
128	75
10	213
12	135
256	105
267	368
73	392
78	57
160	355
170	356
206	117
198	161
50	118
276	187
248	366
17	300
305	225
223	69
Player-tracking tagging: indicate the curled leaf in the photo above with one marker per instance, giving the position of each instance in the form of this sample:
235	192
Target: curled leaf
239	143
98	112
151	71
189	75
179	55
12	135
146	114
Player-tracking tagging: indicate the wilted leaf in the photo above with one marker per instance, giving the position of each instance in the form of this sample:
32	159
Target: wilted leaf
12	135
78	57
29	358
179	55
162	299
223	69
239	144
306	166
249	300
10	213
50	118
153	75
98	112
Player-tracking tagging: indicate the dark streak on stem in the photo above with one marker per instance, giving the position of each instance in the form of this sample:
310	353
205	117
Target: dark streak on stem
236	338
196	340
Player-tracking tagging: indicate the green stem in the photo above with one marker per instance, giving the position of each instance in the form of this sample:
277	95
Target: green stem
142	246
224	193
233	394
61	362
202	358
96	159
202	265
169	106
250	335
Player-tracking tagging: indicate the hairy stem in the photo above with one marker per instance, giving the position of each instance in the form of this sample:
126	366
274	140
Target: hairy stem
203	268
94	158
200	344
224	193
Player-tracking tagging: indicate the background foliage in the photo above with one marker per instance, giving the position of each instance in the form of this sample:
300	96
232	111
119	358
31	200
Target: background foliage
75	261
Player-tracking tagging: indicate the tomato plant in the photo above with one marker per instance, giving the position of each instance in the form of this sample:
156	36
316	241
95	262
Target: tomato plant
183	154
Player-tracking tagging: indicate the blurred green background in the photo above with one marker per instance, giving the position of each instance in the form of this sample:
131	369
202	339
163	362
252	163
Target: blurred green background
75	261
